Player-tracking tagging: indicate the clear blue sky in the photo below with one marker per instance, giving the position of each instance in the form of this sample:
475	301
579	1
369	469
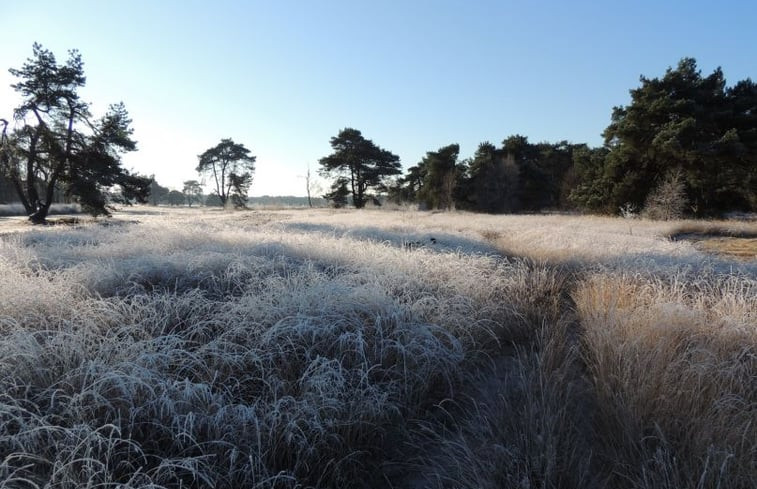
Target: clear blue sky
283	77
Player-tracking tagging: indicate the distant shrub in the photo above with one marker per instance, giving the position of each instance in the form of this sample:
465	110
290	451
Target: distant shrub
213	200
668	200
629	211
176	198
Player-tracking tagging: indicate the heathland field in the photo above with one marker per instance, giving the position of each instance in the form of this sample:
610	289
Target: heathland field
322	348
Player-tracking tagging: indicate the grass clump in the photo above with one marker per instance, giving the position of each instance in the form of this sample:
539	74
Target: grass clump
673	361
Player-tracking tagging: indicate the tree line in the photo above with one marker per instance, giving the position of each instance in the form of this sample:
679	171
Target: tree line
686	144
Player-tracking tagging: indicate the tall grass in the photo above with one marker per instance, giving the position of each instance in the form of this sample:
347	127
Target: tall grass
674	361
307	349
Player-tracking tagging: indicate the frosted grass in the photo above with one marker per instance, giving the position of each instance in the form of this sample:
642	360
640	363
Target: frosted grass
317	348
621	243
204	353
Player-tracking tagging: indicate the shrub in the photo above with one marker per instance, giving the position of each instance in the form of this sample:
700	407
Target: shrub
668	200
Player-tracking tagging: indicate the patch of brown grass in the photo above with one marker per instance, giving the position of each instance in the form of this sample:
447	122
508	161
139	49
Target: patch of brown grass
745	248
673	362
702	228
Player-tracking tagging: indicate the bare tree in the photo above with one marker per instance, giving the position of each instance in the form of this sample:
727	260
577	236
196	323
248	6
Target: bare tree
307	186
668	200
312	186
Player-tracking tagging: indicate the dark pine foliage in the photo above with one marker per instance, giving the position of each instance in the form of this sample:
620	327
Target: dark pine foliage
359	161
58	145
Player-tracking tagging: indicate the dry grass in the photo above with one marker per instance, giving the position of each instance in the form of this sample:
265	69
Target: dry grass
745	248
316	348
673	361
731	239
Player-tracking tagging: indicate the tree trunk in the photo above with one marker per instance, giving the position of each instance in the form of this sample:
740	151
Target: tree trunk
357	199
307	185
20	191
31	187
39	216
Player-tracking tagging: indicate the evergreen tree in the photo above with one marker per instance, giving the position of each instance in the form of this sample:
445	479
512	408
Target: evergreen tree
541	170
339	193
411	185
441	177
193	191
593	187
158	193
60	145
231	165
176	198
493	180
362	163
688	122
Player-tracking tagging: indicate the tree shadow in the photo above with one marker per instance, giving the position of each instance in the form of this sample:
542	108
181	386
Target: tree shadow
404	239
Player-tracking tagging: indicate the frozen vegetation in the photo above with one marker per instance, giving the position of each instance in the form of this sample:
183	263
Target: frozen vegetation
296	349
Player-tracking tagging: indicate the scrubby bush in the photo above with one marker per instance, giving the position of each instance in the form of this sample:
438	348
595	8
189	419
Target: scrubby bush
668	200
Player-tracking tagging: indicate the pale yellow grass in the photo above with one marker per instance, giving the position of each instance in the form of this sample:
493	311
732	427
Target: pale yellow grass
673	361
745	248
542	237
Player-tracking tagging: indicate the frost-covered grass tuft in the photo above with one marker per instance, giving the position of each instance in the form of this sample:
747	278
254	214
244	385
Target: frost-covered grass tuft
674	366
316	348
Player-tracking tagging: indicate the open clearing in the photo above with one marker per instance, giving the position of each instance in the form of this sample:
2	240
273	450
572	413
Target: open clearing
323	348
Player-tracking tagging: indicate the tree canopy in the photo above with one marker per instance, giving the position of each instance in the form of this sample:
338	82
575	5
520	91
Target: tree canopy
492	180
519	176
684	138
158	193
231	167
176	197
57	144
193	191
440	177
339	193
359	161
685	122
